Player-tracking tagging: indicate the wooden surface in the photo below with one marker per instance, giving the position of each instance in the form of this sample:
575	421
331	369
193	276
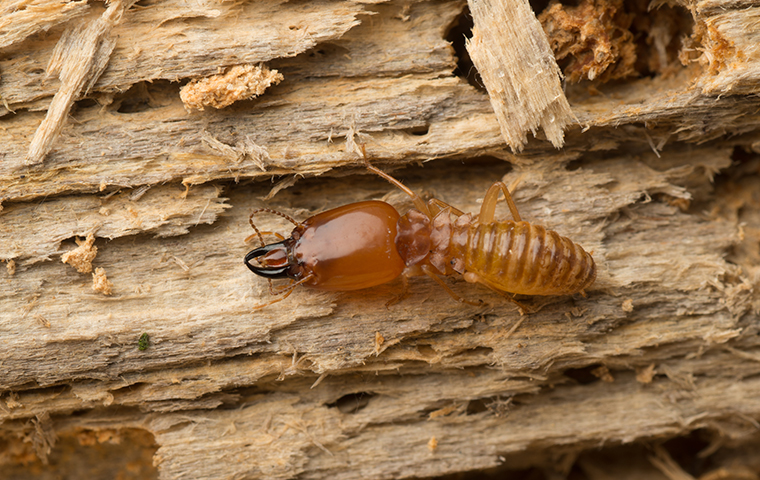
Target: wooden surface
660	180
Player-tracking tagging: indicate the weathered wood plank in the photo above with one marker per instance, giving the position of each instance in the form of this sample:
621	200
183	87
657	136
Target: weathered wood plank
174	39
336	385
514	59
164	274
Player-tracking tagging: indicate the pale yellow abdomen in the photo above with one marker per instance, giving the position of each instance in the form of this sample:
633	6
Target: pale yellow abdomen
519	257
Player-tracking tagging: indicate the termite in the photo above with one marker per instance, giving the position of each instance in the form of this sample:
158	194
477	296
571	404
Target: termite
366	244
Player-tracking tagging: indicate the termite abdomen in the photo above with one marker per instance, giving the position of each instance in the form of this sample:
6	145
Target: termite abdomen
527	259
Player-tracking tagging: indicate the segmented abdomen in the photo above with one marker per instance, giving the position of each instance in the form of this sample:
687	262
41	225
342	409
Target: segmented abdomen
518	257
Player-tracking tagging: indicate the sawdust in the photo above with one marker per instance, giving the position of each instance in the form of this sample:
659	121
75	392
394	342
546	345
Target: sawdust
81	257
100	282
241	82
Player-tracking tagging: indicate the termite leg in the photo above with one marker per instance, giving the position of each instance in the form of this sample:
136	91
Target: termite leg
441	206
279	236
276	299
488	209
514	328
249	237
429	272
274	292
415	198
289	287
471	277
284	291
404	293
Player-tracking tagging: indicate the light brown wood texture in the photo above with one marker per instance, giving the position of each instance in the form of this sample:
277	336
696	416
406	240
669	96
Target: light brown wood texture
654	374
78	60
513	57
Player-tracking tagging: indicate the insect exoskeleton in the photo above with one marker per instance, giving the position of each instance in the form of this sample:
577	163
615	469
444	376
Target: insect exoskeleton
365	244
508	256
346	248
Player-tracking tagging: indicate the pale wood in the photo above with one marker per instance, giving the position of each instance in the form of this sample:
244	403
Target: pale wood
734	47
176	39
21	18
78	60
337	385
516	63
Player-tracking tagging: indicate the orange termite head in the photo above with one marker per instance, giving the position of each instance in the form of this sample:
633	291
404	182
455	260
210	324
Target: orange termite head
346	248
273	260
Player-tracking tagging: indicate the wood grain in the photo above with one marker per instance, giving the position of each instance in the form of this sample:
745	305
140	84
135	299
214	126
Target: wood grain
660	182
510	51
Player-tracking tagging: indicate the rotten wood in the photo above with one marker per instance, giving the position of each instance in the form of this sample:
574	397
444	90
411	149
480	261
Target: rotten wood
517	65
159	348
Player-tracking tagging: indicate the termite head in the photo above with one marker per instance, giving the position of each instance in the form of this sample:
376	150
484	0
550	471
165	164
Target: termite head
346	248
273	261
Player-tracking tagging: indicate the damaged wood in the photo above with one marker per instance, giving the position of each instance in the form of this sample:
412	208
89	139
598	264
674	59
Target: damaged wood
78	60
512	55
21	18
156	343
162	211
172	40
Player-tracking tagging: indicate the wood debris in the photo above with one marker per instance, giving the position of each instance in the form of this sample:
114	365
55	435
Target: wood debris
79	58
100	282
81	257
511	52
241	82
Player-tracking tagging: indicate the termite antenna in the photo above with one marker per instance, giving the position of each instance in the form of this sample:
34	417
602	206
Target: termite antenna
273	212
255	229
418	203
